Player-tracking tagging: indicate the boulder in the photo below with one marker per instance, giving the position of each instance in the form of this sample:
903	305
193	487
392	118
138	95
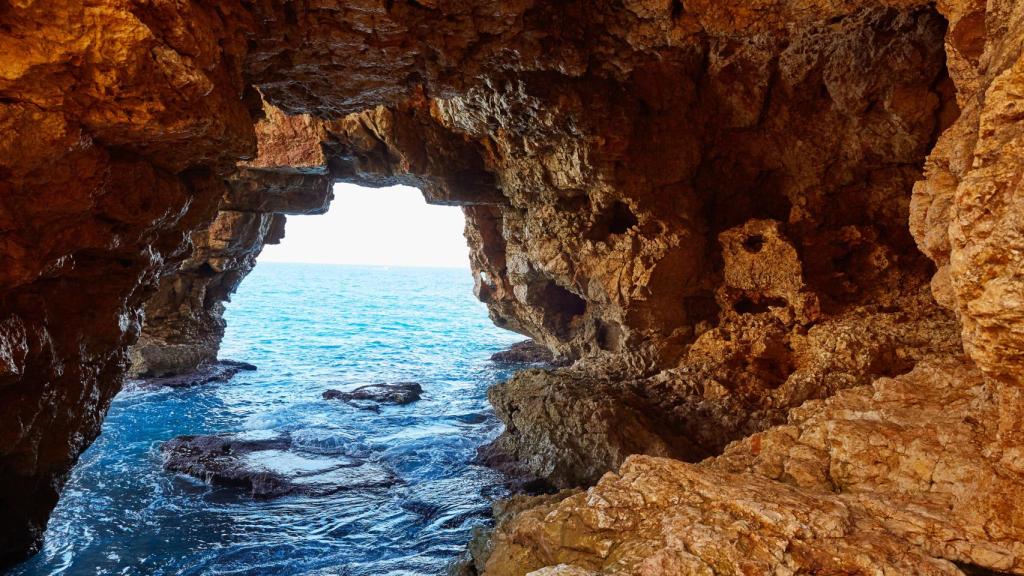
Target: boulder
371	396
219	371
269	465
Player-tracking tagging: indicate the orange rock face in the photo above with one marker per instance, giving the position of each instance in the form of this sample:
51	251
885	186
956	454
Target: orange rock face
892	477
790	226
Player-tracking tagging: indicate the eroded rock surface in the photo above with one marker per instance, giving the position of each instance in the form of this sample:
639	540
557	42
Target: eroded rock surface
371	396
206	373
525	352
266	467
184	319
721	211
891	477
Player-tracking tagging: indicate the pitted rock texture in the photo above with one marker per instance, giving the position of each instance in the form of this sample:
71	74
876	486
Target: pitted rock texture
705	204
184	322
772	350
888	478
525	352
567	431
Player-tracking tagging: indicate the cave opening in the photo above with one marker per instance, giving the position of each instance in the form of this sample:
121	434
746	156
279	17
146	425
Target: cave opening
361	400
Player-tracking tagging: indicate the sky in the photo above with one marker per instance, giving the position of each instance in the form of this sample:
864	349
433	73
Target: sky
375	226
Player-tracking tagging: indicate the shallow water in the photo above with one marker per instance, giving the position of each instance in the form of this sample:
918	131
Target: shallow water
308	328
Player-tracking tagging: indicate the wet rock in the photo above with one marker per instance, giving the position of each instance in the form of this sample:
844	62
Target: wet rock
269	466
371	396
525	352
219	371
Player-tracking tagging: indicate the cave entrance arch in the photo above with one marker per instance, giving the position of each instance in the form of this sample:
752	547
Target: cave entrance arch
310	327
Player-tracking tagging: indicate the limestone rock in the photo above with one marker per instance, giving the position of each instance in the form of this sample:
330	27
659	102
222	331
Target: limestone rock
525	352
719	210
266	467
888	477
219	371
568	431
371	396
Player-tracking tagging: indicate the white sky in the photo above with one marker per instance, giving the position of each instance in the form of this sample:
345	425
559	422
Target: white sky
376	226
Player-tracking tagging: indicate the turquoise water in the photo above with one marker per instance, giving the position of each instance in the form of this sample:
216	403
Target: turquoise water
308	328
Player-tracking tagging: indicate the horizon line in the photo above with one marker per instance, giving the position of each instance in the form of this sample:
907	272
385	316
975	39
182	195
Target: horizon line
366	265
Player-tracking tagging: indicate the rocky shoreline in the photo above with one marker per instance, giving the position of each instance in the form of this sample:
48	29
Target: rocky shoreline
525	352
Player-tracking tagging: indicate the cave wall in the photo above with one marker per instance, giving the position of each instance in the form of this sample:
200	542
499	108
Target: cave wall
705	204
184	322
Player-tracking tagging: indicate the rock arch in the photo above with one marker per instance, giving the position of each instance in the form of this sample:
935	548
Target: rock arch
150	148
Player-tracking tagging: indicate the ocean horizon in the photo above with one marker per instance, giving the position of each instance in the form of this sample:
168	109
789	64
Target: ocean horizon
308	328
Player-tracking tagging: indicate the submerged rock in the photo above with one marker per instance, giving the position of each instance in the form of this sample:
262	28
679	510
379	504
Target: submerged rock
269	466
525	352
219	371
369	397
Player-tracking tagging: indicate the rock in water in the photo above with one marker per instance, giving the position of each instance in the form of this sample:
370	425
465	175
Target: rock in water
369	397
525	352
219	371
269	466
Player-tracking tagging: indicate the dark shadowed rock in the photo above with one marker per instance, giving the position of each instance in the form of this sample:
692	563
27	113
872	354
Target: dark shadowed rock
563	429
269	466
525	352
370	396
219	371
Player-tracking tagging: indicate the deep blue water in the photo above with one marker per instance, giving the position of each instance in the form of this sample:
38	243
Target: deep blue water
308	328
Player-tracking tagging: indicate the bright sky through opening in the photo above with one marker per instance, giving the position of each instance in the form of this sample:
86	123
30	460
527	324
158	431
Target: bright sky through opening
377	227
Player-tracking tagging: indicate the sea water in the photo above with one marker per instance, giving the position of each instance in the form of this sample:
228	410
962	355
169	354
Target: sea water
308	328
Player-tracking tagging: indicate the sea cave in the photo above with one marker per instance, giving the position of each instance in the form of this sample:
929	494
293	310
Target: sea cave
772	253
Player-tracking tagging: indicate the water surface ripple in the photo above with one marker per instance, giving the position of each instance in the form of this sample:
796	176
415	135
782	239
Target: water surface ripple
308	328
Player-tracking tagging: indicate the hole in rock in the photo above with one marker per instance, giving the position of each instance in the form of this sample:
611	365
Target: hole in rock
609	337
753	243
975	570
561	308
616	219
757	304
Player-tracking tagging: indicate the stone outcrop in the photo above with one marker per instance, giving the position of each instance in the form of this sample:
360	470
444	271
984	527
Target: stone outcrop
568	431
788	233
525	352
266	467
206	373
891	477
184	319
371	396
